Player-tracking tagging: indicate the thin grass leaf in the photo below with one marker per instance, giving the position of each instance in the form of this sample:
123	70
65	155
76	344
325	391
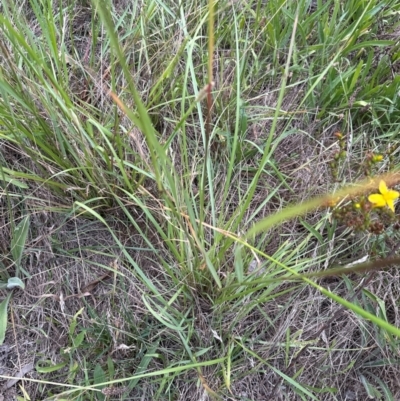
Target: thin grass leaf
144	363
47	366
287	379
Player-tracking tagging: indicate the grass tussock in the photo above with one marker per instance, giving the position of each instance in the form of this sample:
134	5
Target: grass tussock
185	203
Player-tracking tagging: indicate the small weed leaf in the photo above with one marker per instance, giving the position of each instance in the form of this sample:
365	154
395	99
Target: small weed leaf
74	322
77	341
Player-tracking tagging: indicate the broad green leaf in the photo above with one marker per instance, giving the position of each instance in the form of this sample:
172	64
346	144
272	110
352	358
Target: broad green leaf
3	318
239	262
15	282
111	368
99	377
18	243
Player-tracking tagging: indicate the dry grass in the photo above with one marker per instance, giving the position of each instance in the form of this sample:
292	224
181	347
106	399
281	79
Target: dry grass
123	286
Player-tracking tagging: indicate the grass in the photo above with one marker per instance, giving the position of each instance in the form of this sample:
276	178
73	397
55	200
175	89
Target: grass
165	174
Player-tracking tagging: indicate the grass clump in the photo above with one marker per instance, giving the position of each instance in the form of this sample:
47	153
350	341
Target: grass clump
196	227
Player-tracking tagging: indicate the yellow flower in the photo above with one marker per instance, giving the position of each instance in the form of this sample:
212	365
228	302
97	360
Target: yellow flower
385	198
377	158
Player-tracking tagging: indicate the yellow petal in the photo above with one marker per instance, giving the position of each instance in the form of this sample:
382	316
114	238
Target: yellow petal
391	195
377	199
390	204
382	187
